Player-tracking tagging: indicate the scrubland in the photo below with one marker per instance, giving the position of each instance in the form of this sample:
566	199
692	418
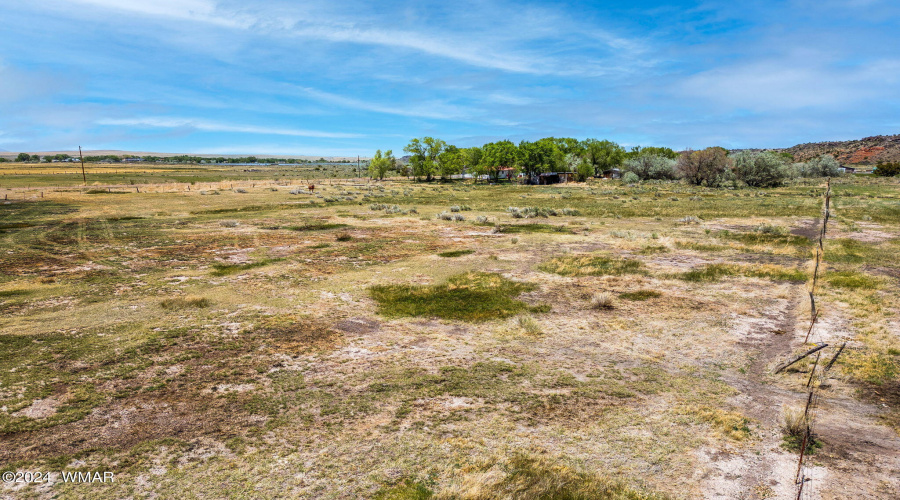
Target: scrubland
235	337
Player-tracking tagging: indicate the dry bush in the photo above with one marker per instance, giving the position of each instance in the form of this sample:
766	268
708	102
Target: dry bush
602	300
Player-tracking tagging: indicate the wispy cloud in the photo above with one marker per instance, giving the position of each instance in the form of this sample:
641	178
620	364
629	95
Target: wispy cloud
209	126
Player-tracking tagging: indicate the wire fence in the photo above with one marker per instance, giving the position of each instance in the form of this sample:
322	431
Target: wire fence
819	372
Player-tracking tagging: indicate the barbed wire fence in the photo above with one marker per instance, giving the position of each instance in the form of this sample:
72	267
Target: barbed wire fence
818	374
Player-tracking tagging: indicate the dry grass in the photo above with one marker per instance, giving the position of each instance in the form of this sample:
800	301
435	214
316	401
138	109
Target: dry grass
371	368
602	300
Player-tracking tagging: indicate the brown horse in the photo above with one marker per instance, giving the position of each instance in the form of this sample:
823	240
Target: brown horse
311	188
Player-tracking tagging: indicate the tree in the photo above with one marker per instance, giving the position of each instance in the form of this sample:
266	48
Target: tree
652	150
760	169
603	155
568	145
472	158
540	156
380	164
450	161
580	166
651	166
23	157
709	166
497	155
425	155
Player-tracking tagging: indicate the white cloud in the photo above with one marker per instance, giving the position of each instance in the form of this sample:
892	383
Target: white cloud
775	85
208	126
437	110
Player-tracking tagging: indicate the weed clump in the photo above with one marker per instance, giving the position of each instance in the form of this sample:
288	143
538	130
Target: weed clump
529	325
602	300
794	428
343	237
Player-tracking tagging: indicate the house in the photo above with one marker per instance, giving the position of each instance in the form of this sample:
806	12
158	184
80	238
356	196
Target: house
847	169
506	173
613	173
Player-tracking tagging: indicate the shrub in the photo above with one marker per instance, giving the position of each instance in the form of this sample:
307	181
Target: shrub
710	167
651	166
343	237
630	178
240	190
887	169
760	169
690	219
823	166
529	325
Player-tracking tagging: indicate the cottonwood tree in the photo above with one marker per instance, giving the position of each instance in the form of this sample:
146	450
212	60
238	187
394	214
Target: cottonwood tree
497	155
424	156
540	156
603	155
380	164
450	161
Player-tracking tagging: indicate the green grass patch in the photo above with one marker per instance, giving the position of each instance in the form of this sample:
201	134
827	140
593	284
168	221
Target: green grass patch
592	265
715	272
456	253
317	226
184	303
653	249
15	292
471	296
226	269
532	228
104	191
406	490
852	280
640	295
699	247
765	238
530	478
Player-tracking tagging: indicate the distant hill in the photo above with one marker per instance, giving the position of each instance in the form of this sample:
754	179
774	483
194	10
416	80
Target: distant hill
866	151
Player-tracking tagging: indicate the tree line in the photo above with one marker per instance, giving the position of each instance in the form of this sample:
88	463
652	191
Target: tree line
431	158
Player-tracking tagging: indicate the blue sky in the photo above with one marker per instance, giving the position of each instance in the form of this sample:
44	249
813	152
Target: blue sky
347	77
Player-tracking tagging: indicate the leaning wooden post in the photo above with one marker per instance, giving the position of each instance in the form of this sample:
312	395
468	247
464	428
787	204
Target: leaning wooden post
83	175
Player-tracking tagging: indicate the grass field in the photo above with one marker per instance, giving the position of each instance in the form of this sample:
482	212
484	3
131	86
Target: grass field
207	333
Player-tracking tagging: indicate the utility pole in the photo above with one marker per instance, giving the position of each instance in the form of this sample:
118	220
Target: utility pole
83	176
358	174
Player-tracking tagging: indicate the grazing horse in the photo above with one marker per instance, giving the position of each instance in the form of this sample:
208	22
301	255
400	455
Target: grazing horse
311	188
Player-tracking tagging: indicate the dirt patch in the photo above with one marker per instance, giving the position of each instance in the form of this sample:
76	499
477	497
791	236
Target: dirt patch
358	326
40	408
